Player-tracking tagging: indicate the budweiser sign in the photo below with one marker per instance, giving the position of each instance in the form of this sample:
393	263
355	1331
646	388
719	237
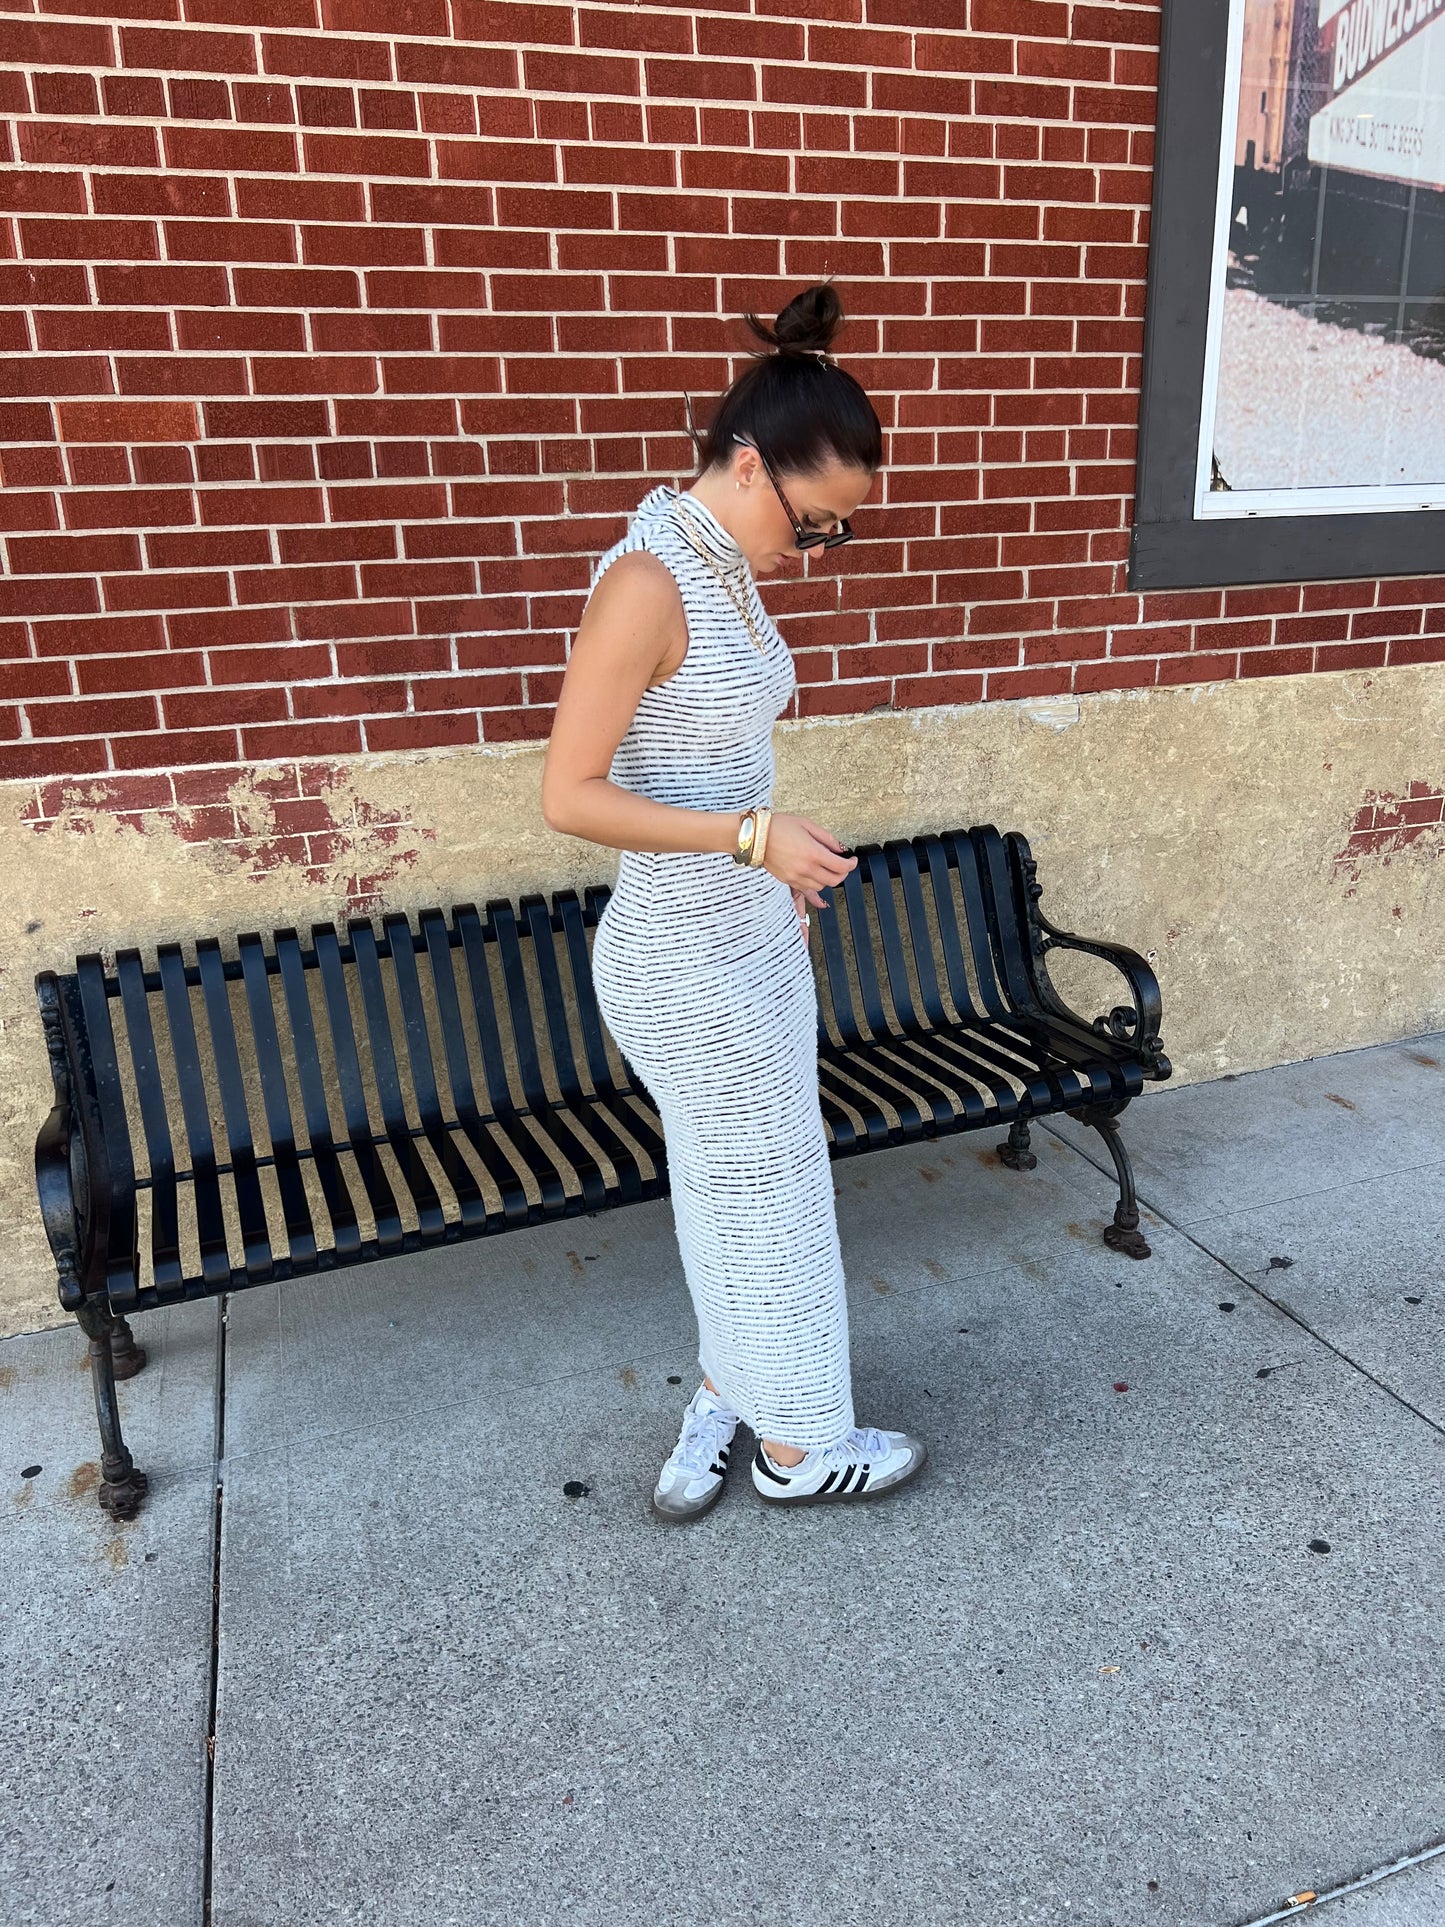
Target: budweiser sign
1363	33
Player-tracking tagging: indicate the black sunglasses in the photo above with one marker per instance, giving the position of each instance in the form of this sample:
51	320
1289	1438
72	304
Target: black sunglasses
806	538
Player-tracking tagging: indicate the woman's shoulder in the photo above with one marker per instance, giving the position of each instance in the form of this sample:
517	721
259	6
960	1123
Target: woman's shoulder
634	570
650	535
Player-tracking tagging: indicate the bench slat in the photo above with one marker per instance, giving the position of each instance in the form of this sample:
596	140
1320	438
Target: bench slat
515	1208
976	929
885	912
560	1122
160	1151
246	1184
295	1211
210	1218
426	1200
345	1229
384	1208
601	1120
468	1192
920	937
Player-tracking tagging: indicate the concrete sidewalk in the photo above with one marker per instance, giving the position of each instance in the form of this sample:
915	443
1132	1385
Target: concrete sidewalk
1097	1666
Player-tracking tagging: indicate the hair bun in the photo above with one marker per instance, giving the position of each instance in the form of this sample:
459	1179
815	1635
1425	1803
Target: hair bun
806	326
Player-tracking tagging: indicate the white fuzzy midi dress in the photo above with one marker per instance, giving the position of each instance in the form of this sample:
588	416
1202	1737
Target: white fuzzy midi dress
703	977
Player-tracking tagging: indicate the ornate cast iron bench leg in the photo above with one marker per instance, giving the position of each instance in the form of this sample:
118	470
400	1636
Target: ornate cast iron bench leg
113	1353
1123	1234
1015	1153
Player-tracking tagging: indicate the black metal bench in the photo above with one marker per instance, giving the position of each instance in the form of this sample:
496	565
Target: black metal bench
345	1100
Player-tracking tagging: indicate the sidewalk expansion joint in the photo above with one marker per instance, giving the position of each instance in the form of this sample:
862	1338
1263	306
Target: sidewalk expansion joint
214	1681
1107	1170
1302	1906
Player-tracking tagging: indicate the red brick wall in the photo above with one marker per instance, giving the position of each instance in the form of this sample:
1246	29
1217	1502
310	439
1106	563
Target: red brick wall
339	342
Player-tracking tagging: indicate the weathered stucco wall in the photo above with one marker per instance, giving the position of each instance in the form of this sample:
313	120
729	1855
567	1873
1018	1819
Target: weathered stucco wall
1274	844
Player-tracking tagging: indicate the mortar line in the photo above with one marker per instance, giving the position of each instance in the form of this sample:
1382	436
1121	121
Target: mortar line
1107	1170
213	1684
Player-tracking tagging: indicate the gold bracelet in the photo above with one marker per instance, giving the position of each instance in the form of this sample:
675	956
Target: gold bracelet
747	831
760	841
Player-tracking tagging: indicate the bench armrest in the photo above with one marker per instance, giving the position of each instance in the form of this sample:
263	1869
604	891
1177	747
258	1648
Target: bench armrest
56	1148
1135	1024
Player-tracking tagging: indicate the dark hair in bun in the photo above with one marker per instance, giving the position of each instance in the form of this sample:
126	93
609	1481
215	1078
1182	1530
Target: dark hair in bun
802	410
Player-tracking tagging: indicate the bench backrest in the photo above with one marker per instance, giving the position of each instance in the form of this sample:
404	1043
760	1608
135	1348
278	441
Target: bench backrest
289	1048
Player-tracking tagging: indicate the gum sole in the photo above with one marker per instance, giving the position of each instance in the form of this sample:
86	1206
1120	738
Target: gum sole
686	1518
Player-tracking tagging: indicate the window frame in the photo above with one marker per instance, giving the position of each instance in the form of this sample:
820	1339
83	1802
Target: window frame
1171	545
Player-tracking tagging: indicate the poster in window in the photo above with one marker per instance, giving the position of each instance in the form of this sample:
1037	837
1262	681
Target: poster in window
1324	376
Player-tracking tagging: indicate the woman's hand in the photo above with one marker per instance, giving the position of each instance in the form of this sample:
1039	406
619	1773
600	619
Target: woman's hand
808	858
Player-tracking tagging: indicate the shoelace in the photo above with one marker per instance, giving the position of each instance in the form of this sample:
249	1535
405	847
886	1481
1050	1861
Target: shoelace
865	1442
704	1434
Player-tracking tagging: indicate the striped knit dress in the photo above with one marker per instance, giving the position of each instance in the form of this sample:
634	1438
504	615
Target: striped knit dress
703	977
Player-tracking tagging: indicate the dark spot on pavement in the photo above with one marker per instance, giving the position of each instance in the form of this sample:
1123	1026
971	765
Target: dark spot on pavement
1414	1301
673	1379
1227	1304
1264	1371
576	1489
31	1471
1120	1386
1419	1057
1280	1264
628	1377
1319	1545
1343	1102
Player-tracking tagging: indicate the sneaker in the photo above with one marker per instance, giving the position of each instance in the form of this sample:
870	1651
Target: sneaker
863	1462
691	1481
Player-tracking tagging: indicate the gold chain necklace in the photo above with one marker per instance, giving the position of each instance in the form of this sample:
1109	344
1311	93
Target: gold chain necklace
692	536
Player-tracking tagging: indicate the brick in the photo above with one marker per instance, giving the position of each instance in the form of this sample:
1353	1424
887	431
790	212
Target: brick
116	717
372	246
26	191
366	154
87	144
482	160
637	32
187	51
45	43
301	200
325	58
195	548
448	65
423	19
509	22
559	73
314	374
174	749
433	204
248	419
231	149
87	240
127	508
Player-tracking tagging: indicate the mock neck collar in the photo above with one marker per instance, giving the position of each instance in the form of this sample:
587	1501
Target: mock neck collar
695	519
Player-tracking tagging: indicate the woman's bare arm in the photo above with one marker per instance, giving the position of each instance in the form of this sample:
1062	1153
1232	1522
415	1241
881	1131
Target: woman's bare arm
634	616
632	622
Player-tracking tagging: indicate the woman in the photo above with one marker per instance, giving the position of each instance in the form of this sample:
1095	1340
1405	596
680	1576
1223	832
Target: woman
662	748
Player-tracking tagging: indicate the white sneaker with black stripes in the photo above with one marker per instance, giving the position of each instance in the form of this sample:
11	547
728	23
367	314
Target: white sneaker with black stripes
864	1462
691	1480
